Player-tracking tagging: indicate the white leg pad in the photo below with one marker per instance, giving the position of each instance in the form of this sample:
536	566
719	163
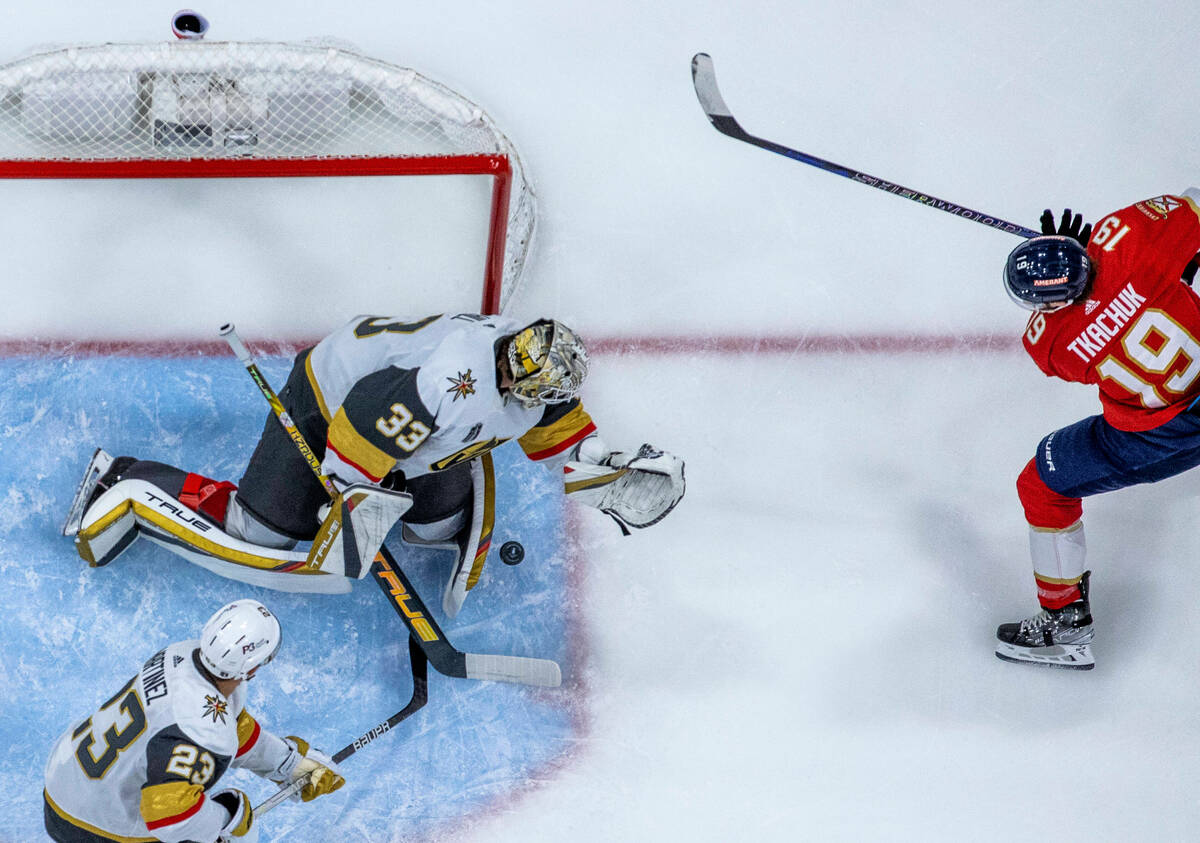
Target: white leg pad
136	507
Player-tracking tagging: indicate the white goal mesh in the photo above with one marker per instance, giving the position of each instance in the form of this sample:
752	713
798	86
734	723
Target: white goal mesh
229	109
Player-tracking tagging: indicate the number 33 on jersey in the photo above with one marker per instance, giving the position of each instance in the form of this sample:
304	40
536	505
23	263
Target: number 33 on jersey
1136	334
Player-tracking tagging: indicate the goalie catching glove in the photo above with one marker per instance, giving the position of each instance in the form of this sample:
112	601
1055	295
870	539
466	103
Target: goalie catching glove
303	762
637	490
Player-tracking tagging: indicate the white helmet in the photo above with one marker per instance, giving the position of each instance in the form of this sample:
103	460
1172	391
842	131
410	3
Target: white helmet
238	639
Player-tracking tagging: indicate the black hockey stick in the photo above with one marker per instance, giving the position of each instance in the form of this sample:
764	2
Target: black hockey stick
444	657
704	78
420	695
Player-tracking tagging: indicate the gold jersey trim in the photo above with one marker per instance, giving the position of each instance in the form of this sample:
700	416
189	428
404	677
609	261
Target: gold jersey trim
312	381
170	802
247	731
545	441
352	447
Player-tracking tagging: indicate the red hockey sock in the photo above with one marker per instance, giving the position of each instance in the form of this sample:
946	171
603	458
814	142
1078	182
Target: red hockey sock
1053	594
206	496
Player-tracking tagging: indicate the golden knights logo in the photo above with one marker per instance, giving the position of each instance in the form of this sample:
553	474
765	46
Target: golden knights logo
462	386
215	708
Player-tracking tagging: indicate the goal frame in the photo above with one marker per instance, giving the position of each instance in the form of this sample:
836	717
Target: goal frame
496	166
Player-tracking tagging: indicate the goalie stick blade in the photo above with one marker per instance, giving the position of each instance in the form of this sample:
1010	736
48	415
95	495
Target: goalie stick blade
519	669
443	656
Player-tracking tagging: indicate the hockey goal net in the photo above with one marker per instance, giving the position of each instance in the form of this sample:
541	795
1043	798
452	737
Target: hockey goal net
201	109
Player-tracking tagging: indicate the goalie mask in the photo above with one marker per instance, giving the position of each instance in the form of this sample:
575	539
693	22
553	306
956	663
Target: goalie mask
1047	273
240	638
548	363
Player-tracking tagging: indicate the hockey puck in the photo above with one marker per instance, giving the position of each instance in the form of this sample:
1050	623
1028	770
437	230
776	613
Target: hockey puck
511	553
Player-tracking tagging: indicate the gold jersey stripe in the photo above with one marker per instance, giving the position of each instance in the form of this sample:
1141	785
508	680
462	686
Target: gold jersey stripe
170	802
247	732
540	440
352	447
189	537
316	388
99	832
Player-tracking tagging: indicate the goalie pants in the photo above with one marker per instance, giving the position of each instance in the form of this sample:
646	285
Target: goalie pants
279	489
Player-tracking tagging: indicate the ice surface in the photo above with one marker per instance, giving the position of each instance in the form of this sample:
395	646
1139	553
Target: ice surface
803	650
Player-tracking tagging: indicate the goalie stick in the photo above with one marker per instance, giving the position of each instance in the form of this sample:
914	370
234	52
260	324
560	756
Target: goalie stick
704	78
420	695
445	658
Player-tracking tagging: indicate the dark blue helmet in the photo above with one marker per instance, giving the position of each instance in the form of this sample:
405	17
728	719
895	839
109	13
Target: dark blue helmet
1046	273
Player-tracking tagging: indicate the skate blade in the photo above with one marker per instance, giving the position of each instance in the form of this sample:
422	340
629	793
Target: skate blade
101	461
1063	656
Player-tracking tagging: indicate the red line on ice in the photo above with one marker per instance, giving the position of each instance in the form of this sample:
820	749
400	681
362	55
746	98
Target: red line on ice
657	344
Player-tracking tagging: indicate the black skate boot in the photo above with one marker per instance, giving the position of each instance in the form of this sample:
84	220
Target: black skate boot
1052	637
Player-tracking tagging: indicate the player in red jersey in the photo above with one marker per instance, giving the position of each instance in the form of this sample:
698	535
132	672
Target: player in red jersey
1115	309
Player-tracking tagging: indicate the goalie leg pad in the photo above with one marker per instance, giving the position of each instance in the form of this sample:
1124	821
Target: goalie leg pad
137	507
474	484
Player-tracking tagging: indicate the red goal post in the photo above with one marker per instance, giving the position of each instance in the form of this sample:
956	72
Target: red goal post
226	109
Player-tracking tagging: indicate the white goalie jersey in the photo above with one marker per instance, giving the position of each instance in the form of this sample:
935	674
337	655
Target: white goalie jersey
139	767
423	396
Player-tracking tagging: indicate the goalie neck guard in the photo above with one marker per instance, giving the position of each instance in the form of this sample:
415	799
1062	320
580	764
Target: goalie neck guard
548	363
1047	273
239	639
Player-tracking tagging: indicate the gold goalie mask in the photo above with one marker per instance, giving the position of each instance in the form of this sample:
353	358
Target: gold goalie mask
548	363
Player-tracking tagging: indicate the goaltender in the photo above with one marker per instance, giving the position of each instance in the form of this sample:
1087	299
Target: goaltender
390	408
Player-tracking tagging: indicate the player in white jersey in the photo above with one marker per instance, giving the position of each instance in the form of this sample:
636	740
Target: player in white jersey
406	405
144	766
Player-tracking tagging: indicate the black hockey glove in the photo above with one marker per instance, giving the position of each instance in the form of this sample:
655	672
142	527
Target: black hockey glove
1068	226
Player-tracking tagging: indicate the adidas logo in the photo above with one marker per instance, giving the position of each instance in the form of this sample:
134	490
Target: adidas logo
177	661
1091	305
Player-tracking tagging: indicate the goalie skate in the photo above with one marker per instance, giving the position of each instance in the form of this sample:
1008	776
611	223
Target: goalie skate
97	468
1053	637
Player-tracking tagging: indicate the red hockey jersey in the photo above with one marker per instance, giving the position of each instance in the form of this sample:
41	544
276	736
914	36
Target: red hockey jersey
1137	333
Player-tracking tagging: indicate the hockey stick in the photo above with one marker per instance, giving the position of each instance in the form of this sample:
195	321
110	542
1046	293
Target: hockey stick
704	78
420	695
444	657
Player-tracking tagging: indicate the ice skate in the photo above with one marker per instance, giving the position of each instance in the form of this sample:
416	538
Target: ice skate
1053	637
97	468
